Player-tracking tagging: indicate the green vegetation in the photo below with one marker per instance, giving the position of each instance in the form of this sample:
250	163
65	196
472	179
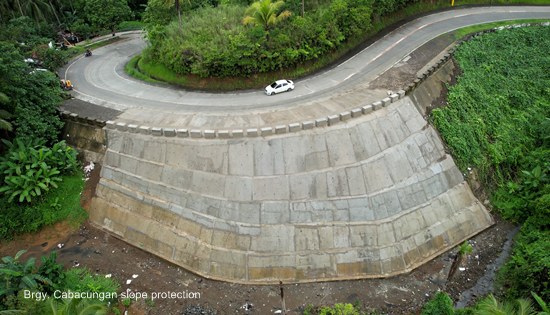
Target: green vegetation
16	277
462	32
59	204
205	49
497	122
440	304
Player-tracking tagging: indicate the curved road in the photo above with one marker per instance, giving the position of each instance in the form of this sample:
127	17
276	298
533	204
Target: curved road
101	79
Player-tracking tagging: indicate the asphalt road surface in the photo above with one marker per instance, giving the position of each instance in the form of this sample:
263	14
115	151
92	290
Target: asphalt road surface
101	80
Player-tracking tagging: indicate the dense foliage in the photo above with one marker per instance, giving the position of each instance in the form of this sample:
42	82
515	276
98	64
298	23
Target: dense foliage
280	37
440	304
76	16
28	171
497	122
33	96
17	276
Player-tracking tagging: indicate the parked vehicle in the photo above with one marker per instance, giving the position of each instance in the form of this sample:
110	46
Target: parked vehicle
279	86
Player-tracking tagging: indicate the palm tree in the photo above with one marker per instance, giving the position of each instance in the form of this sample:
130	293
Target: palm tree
264	13
491	306
38	10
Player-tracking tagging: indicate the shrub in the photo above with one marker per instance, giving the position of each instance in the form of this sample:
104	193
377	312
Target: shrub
339	309
208	50
497	122
82	280
57	205
29	171
440	304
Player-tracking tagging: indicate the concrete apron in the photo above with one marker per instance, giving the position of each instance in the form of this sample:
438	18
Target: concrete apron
374	196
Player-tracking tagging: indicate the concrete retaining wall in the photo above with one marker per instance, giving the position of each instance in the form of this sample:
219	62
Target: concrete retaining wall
375	196
85	134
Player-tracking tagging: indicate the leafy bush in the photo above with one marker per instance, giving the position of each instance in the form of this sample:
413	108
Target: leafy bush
339	309
440	304
82	280
57	205
29	171
206	49
16	276
497	122
528	269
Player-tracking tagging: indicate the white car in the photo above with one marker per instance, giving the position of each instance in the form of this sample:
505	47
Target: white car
279	86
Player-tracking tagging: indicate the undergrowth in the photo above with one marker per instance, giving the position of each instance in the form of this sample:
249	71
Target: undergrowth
497	122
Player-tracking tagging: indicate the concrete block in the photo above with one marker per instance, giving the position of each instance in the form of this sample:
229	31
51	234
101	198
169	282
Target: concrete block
121	126
238	188
73	116
145	130
377	175
237	133
356	180
326	237
275	212
333	119
340	148
306	239
294	127
133	128
386	101
269	157
356	112
223	134
252	132
337	183
169	132
209	134
363	235
345	115
401	94
281	129
271	188
156	131
273	239
241	159
182	133
195	133
377	105
394	97
321	122
266	131
308	125
367	109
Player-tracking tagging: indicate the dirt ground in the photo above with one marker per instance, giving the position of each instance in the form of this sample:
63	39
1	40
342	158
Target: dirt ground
102	253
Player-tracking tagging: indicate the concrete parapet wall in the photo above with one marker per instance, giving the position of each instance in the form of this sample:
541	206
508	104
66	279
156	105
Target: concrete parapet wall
374	196
85	134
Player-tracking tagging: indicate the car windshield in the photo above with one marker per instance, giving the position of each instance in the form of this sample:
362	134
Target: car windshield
274	84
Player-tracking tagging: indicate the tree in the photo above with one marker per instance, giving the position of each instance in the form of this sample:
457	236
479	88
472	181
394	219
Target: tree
5	125
264	13
34	97
107	14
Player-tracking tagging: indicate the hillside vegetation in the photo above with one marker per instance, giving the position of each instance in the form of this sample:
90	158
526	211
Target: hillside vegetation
497	124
